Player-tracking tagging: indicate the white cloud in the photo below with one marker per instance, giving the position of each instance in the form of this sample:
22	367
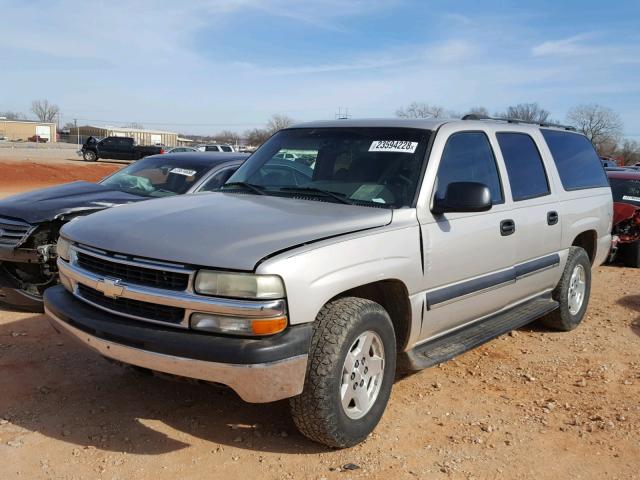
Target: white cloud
571	46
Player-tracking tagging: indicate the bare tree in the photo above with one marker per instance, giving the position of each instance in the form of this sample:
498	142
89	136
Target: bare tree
256	136
44	111
12	115
278	122
479	111
629	153
227	136
421	110
528	112
600	124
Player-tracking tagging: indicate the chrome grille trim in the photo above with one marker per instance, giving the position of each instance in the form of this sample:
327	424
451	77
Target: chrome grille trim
73	274
13	233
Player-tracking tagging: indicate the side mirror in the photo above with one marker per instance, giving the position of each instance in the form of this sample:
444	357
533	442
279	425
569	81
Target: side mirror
463	197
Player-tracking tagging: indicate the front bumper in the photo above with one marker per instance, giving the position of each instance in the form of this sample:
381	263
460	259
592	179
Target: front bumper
259	370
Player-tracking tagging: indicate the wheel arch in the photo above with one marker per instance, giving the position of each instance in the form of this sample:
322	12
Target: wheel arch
587	240
393	296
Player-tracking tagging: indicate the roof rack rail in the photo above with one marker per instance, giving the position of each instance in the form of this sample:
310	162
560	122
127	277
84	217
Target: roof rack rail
475	116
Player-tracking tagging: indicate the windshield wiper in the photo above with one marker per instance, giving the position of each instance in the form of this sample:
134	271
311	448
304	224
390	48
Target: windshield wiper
247	186
311	190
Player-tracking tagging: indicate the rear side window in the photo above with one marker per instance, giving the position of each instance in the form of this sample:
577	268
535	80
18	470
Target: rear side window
468	157
526	172
578	163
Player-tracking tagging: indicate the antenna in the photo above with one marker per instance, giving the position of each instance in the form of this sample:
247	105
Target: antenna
343	114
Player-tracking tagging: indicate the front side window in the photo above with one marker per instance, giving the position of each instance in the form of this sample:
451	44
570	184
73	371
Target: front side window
525	169
577	161
468	157
211	148
364	166
226	148
157	177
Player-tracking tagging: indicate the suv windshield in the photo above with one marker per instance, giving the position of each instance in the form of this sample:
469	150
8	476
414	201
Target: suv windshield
625	191
364	166
157	177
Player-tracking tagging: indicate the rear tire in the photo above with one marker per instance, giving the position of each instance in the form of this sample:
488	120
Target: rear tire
89	156
630	254
344	398
572	292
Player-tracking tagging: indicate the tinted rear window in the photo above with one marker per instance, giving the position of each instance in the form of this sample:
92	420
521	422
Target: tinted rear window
578	163
526	172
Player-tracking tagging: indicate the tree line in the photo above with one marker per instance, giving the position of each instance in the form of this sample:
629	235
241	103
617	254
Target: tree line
600	124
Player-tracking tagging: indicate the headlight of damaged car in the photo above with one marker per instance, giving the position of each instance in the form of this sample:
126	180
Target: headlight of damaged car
63	248
239	285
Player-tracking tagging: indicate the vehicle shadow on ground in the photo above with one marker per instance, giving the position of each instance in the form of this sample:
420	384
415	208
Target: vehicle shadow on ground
100	161
632	302
58	388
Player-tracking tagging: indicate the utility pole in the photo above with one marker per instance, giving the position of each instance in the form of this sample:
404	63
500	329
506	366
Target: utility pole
342	114
75	123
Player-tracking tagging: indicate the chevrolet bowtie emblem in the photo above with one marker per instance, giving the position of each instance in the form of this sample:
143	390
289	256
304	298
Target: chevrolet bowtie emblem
110	288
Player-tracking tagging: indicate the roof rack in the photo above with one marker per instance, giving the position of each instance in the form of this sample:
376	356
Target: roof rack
475	116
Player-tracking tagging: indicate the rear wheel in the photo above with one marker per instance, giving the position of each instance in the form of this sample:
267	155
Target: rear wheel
350	373
89	156
630	254
572	292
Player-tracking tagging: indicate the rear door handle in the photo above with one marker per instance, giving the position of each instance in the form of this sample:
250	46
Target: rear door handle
507	227
552	218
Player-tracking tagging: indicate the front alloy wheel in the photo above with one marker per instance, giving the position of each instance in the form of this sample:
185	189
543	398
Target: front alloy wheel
362	375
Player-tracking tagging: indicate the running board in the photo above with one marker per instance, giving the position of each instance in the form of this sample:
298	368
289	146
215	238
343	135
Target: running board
459	341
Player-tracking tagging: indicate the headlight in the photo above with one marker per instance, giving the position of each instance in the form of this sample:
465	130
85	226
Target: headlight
62	248
239	285
238	325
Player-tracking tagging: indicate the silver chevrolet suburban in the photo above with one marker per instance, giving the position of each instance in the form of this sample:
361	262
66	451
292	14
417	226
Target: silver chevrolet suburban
393	244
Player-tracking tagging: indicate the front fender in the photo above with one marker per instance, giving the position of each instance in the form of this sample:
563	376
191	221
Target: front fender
316	273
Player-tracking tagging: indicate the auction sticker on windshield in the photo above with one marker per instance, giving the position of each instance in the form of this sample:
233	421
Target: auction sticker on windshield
183	171
393	146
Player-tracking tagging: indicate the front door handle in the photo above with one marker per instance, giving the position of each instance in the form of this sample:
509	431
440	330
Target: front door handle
552	218
507	227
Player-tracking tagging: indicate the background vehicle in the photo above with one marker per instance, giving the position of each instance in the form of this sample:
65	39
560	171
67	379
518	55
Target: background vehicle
180	150
37	139
625	187
216	147
116	148
412	242
608	162
30	222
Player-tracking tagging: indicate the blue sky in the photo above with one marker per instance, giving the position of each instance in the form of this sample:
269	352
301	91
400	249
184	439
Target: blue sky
203	65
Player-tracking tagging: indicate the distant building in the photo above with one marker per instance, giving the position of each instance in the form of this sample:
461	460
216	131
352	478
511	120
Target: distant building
141	136
185	142
23	130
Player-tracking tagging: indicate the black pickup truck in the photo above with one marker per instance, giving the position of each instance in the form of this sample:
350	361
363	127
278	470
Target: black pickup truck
117	148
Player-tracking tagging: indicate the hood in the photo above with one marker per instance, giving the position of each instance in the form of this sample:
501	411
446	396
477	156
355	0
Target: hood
48	203
220	230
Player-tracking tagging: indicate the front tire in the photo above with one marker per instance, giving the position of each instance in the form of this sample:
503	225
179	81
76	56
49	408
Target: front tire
89	156
351	370
572	292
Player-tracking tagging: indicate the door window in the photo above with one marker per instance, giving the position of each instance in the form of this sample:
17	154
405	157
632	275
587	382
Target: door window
468	157
525	169
217	180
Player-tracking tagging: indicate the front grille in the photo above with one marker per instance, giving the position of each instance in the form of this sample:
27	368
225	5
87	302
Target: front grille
135	308
13	233
134	273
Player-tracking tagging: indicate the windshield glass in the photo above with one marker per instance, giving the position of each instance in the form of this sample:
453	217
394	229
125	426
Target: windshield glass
626	191
364	166
157	177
